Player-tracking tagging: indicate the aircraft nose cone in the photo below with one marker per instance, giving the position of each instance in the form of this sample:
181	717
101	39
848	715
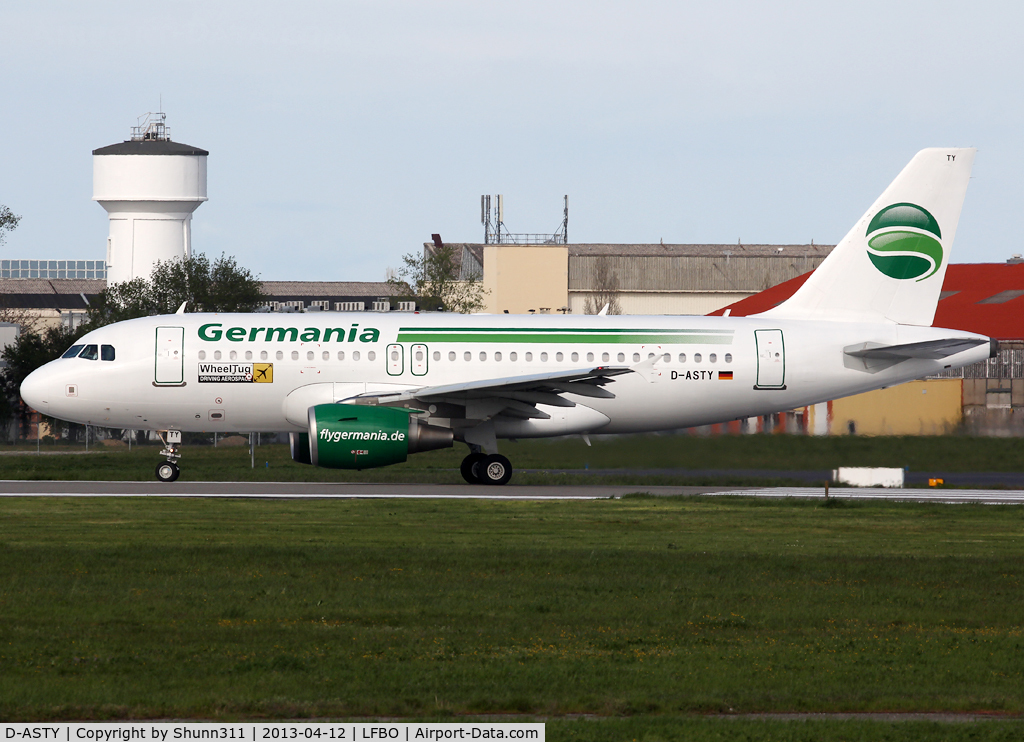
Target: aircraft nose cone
36	392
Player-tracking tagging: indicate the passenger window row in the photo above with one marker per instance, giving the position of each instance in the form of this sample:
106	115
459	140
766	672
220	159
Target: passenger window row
575	357
310	355
248	355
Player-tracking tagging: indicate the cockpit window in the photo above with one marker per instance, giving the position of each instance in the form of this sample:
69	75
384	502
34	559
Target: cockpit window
107	352
91	353
73	351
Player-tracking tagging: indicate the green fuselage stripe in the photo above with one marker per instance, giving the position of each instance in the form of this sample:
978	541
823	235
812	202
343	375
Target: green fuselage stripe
561	336
572	330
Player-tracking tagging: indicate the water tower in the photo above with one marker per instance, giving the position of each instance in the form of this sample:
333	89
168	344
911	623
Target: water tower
149	187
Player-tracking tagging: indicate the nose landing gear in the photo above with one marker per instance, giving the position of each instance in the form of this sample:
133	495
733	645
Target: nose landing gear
480	468
168	471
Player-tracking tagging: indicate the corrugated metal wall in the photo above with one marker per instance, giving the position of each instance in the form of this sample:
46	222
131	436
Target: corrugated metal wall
663	302
1009	364
691	273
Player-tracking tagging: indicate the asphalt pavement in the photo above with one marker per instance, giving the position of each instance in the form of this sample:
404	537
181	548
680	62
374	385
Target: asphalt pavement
304	490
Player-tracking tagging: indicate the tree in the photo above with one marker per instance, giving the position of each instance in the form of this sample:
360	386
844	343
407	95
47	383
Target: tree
24	318
30	351
221	286
606	289
8	221
433	279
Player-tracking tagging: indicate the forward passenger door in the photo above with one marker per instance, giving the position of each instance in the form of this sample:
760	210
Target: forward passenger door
170	360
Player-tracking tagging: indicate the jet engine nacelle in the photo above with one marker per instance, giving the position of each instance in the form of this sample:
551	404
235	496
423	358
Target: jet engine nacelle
348	436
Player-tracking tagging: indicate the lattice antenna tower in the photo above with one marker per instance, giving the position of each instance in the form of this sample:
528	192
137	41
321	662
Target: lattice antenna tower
495	231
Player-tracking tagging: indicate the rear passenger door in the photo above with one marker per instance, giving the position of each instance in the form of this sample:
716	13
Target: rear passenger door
771	359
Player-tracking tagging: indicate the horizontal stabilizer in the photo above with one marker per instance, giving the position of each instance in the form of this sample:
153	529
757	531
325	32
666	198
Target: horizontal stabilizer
930	349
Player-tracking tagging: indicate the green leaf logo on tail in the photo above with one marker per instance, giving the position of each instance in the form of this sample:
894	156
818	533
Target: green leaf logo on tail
903	242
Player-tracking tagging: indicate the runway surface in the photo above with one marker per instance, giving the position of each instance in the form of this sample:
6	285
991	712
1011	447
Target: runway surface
304	490
811	477
952	497
311	490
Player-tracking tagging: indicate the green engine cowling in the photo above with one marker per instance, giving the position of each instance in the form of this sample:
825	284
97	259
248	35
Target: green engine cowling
347	436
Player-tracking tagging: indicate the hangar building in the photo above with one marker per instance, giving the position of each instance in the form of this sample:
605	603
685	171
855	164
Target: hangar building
643	278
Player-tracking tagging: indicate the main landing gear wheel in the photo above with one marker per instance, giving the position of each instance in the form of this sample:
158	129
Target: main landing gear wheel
167	471
495	469
470	467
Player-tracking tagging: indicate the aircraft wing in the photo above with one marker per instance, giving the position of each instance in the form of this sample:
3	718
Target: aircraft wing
515	396
929	349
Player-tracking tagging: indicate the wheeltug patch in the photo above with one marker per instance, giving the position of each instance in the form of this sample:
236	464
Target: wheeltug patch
236	373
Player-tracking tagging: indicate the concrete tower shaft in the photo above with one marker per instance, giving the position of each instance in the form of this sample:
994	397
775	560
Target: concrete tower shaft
149	187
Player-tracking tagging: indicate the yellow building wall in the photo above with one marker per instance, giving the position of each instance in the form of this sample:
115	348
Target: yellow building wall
519	278
916	408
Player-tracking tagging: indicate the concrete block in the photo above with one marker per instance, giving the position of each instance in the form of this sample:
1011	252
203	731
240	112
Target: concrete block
974	392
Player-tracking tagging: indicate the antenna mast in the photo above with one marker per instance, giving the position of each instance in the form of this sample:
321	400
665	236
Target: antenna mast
565	221
485	217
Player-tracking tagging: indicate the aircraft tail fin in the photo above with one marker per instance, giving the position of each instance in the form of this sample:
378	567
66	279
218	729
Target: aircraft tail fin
890	266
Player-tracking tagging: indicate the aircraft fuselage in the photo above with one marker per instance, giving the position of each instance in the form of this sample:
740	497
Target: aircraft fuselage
230	372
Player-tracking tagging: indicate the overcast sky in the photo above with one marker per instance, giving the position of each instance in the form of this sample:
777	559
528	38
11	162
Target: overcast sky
342	134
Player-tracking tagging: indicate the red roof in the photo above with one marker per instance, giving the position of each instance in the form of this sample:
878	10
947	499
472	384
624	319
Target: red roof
986	298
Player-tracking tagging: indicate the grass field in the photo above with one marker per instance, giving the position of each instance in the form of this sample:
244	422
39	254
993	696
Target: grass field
773	452
641	611
655	729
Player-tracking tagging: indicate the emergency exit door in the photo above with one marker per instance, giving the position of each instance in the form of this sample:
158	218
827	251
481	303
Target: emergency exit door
395	359
170	360
771	359
418	359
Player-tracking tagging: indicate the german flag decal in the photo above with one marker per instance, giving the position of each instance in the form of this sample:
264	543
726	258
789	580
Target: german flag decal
725	375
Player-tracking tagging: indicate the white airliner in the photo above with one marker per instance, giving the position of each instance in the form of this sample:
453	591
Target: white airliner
362	390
